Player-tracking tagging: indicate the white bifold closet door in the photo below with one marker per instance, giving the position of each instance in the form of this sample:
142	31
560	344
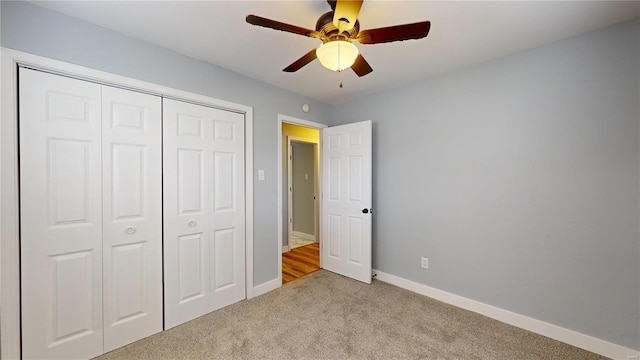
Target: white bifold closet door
204	224
132	215
90	216
60	216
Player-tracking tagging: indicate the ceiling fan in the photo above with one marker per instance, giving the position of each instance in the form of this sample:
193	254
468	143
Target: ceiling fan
338	29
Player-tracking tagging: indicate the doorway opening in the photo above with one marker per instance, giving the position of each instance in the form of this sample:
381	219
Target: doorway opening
299	218
302	183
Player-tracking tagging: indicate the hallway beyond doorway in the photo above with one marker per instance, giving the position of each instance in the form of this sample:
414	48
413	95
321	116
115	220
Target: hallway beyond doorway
300	262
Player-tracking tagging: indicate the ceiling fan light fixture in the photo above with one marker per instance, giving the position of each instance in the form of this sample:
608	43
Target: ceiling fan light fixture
337	55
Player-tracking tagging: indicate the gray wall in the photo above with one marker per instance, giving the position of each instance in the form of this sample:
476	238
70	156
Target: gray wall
303	187
33	29
519	179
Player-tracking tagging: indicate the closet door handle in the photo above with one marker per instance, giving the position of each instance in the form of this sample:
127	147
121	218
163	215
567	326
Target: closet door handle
192	223
130	230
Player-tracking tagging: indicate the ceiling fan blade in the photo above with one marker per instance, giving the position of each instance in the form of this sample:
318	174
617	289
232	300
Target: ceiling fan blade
395	33
304	60
361	67
277	25
346	14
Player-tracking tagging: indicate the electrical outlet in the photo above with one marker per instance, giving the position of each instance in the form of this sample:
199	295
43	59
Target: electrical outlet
425	263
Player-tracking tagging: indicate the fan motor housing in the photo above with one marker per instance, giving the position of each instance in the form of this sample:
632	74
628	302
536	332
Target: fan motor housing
330	32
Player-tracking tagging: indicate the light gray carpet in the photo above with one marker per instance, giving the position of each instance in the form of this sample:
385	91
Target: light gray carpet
327	316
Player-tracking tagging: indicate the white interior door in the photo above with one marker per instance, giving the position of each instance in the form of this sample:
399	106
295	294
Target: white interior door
204	236
346	200
132	215
60	216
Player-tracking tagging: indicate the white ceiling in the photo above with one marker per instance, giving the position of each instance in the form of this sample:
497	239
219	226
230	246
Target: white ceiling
462	33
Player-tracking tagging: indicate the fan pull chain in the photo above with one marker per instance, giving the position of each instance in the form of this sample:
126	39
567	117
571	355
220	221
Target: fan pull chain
339	66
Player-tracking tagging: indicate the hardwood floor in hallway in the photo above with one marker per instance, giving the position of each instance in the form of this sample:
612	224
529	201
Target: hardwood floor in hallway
300	262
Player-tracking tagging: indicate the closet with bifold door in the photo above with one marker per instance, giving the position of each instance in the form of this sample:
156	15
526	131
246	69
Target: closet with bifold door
132	213
90	216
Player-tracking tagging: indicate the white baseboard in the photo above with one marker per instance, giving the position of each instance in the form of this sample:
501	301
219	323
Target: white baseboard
266	287
305	236
285	248
555	332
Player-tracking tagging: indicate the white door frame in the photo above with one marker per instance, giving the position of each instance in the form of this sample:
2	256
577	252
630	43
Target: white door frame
9	232
316	182
310	124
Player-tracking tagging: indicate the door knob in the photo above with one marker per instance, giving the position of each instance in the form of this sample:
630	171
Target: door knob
130	230
192	223
365	211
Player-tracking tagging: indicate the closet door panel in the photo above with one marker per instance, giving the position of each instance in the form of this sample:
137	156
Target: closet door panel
60	216
186	192
132	201
227	215
204	210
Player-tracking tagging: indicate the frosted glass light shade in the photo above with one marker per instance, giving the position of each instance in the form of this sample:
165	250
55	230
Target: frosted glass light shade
337	55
